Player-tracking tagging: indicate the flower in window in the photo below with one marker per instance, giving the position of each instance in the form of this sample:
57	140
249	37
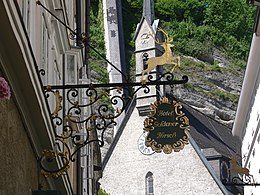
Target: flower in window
5	92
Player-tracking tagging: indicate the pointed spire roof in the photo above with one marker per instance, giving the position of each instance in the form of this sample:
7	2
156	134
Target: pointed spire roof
148	10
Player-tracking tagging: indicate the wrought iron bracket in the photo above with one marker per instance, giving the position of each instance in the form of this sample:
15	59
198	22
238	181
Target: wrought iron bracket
83	112
104	103
108	85
238	176
241	181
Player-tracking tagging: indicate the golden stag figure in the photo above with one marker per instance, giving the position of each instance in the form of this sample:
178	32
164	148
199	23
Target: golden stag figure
165	58
235	168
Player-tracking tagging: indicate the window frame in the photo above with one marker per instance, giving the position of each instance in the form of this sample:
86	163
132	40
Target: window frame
149	183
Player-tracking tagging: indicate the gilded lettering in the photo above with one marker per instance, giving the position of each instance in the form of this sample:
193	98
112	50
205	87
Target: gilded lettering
165	124
165	135
165	113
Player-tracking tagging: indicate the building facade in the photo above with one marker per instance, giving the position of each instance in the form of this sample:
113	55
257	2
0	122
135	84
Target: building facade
247	121
134	169
130	167
37	50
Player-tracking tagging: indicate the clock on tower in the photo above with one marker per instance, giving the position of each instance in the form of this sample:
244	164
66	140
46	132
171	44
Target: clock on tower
142	147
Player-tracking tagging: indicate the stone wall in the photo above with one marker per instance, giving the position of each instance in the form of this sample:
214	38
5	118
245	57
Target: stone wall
177	173
18	171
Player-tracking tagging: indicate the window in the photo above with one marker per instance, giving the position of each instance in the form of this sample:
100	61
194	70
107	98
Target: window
71	69
70	9
25	11
44	51
71	74
149	183
145	58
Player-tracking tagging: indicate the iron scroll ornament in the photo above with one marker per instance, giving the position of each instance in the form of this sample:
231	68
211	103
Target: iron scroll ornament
167	127
238	175
69	121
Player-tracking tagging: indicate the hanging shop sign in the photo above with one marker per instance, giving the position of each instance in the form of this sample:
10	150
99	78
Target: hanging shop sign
167	126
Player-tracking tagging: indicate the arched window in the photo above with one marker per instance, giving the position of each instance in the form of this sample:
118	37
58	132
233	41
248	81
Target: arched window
149	183
145	58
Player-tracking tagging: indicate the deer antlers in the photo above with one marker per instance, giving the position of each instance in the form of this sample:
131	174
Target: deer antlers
167	39
166	58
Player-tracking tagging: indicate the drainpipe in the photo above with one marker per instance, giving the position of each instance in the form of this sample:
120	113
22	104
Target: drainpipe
87	32
78	39
78	22
79	176
87	72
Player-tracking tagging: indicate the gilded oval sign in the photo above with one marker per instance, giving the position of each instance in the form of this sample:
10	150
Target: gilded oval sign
167	127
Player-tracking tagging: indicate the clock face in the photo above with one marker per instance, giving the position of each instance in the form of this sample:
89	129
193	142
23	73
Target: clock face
145	38
142	147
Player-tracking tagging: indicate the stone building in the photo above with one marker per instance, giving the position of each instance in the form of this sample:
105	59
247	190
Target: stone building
247	121
197	169
35	51
130	167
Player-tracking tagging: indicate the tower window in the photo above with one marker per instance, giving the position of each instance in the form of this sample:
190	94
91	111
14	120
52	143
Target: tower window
145	58
149	183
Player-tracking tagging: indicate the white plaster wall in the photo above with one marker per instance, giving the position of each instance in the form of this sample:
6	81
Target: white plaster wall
144	43
180	173
251	143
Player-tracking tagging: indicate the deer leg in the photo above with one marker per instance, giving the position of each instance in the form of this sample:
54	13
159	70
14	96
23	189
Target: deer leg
175	63
148	73
142	77
179	61
173	68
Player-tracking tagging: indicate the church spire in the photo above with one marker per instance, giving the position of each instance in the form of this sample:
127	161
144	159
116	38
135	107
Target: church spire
148	10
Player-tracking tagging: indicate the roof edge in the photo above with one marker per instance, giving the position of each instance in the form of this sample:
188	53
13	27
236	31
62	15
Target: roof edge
118	133
208	166
139	25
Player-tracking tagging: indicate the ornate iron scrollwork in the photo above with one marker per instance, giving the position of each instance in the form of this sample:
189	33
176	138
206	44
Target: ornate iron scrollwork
49	156
42	72
244	180
238	176
70	121
73	128
82	38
